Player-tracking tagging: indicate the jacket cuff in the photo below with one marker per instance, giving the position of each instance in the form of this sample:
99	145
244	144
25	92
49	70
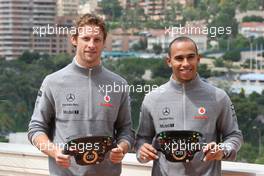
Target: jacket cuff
126	141
36	135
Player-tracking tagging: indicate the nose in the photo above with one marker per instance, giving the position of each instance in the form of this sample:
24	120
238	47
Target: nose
185	62
91	44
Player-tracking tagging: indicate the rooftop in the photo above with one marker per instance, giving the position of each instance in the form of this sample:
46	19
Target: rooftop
252	24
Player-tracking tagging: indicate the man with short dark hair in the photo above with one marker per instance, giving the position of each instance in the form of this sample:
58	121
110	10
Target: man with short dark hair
188	103
71	103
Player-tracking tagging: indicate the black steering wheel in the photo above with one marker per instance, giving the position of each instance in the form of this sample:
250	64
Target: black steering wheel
89	150
179	146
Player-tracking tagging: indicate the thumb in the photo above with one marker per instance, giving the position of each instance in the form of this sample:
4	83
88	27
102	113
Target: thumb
117	149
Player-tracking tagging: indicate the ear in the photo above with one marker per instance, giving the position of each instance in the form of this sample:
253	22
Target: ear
168	60
199	58
74	40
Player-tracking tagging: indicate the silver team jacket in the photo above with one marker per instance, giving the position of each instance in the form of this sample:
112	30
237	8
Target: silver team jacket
193	106
73	102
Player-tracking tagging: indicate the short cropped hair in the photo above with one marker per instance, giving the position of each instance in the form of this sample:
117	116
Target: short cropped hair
182	39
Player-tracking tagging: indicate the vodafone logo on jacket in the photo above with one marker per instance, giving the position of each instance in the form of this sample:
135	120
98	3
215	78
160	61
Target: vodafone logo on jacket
107	98
106	102
201	112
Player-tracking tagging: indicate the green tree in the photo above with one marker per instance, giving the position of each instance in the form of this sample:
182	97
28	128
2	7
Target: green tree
219	62
190	14
227	11
246	112
170	15
252	19
6	121
161	69
237	43
240	42
253	5
260	159
140	46
157	48
233	55
247	153
243	5
20	80
212	6
258	41
204	71
111	9
29	57
203	11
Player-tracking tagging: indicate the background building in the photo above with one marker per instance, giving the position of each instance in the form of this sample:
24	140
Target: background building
251	29
163	38
61	42
90	6
43	15
120	40
19	18
67	7
154	9
15	27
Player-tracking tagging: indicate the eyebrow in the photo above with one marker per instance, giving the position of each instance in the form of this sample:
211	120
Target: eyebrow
87	36
191	54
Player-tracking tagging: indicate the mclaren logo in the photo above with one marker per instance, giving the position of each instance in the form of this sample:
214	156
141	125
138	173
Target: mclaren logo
70	97
166	111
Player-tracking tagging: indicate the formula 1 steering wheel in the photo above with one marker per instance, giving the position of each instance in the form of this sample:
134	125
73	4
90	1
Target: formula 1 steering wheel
179	146
89	150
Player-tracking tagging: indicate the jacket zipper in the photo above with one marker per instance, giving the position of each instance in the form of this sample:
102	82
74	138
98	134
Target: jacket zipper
184	105
90	94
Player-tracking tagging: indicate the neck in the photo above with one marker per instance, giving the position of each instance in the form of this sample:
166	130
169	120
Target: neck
87	64
182	81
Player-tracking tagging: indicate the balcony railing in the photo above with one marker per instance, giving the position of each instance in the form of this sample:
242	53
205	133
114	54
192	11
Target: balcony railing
25	160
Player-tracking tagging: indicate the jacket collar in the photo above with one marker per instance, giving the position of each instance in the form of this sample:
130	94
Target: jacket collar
86	71
187	86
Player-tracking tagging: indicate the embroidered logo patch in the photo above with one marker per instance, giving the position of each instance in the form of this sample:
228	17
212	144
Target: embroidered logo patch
107	98
201	110
106	103
70	97
166	111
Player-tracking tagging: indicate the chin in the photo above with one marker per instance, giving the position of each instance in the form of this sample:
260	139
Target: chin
186	79
89	59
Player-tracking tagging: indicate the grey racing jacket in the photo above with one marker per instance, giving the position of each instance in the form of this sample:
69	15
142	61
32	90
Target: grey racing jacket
75	101
196	106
